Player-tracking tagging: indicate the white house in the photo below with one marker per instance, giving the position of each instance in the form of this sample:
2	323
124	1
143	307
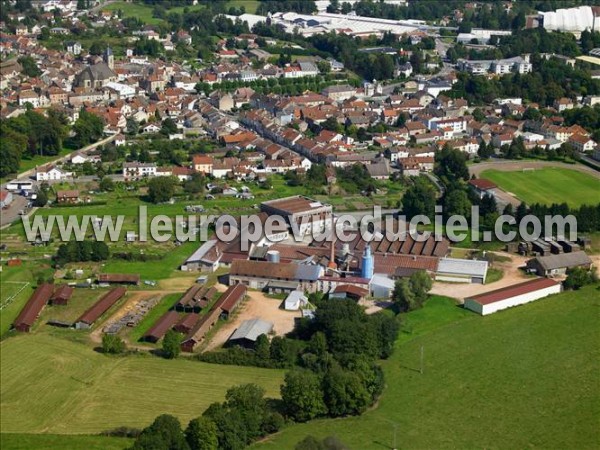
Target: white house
137	170
510	296
50	173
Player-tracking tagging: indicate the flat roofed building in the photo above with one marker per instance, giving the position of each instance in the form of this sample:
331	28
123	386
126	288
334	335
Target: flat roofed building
510	296
302	212
461	270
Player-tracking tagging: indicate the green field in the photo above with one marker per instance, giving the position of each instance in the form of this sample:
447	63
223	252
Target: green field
54	441
73	390
11	280
522	378
548	185
250	5
143	12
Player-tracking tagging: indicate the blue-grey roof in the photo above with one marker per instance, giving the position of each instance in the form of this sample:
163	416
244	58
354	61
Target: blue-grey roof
252	329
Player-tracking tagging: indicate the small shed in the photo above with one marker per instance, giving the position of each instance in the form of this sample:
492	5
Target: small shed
62	295
119	278
349	291
552	265
381	286
187	323
295	300
249	331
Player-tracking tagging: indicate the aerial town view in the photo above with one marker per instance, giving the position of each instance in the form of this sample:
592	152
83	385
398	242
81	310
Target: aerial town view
299	224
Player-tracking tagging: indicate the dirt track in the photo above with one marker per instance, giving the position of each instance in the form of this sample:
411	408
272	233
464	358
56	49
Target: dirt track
508	166
257	305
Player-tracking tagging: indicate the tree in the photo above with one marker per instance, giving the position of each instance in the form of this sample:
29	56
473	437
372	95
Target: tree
419	199
164	433
132	126
344	393
29	67
302	396
410	293
456	202
168	127
88	128
113	344
201	434
106	184
161	189
262	348
195	185
41	198
451	165
579	277
171	345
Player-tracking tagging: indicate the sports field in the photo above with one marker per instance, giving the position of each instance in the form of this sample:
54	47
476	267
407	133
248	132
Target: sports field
71	389
548	185
521	378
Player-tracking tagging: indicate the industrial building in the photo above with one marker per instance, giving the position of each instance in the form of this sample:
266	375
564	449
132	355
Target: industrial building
510	296
249	331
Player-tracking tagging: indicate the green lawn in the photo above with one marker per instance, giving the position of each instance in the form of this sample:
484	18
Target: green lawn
548	185
54	441
521	378
53	385
11	280
250	5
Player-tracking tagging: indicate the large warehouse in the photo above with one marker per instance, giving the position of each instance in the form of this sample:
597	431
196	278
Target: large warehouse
510	296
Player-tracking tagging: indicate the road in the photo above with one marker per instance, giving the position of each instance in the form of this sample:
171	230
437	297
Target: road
11	214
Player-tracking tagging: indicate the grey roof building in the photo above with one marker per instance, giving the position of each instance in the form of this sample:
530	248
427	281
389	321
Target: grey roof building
558	264
249	331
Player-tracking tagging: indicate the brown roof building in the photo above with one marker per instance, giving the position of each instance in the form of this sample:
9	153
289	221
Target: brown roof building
231	298
196	335
187	323
100	307
62	295
33	307
119	278
162	325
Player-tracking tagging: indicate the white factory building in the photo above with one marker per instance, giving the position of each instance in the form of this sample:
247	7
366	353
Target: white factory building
510	296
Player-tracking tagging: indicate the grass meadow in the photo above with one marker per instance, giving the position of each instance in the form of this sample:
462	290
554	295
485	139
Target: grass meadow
521	378
12	441
75	390
548	185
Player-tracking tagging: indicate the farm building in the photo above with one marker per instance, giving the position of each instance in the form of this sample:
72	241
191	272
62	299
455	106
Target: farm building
483	187
119	278
196	298
307	214
230	299
69	196
196	335
461	270
162	325
33	307
62	295
249	331
381	286
186	323
100	307
510	296
264	274
551	265
295	300
349	291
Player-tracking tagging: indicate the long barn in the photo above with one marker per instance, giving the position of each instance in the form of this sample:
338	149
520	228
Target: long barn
162	325
88	318
33	308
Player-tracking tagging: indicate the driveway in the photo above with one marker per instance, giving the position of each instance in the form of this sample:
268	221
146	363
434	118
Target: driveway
9	215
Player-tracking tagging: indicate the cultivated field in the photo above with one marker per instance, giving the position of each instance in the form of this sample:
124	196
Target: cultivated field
61	441
74	390
522	378
548	185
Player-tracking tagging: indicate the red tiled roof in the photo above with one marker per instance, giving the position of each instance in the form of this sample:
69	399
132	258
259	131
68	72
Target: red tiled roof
513	291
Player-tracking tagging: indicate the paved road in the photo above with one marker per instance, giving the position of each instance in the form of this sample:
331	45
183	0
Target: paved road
508	166
11	214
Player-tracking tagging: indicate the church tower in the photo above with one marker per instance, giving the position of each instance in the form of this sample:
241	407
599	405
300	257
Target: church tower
109	58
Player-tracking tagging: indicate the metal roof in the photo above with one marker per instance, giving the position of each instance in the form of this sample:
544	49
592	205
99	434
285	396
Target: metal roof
455	266
251	329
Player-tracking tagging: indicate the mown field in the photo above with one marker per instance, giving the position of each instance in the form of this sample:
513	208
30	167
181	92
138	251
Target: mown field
143	12
522	378
548	185
11	441
71	389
